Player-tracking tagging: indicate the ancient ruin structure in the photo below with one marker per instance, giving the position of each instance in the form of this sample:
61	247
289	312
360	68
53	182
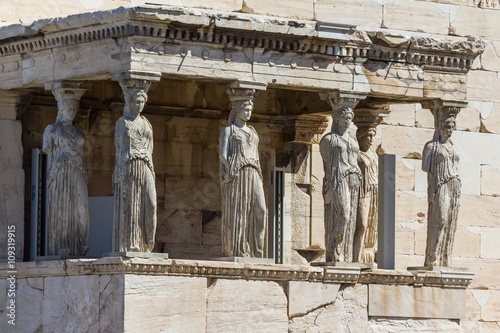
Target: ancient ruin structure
387	64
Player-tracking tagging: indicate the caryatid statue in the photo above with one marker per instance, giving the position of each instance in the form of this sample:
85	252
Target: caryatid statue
365	237
134	177
243	202
67	194
339	150
440	161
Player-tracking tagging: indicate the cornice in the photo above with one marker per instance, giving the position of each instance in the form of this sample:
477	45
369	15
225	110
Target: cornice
237	270
177	25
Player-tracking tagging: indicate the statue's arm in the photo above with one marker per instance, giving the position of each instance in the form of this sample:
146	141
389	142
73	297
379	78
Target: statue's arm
48	139
427	157
224	145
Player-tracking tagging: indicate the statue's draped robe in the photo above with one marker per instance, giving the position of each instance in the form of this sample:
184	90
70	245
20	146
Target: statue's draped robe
340	193
243	201
443	194
67	194
134	186
365	237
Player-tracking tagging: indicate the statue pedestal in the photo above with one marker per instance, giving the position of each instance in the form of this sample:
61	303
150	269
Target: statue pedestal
247	260
61	257
128	254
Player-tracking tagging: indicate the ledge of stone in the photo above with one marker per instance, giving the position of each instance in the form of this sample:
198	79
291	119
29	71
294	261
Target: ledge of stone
236	270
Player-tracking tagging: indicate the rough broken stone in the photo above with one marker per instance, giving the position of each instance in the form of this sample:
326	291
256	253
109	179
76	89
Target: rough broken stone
304	296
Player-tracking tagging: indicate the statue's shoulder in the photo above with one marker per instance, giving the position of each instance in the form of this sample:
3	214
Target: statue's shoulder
49	130
146	121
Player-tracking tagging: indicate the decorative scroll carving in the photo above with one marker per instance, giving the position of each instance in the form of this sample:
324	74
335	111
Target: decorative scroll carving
63	141
440	161
134	178
339	151
243	202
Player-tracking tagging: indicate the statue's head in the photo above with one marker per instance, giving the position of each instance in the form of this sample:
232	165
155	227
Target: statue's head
342	118
444	121
135	100
68	101
241	104
365	136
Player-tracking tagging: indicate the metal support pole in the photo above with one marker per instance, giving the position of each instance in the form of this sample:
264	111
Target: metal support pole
386	211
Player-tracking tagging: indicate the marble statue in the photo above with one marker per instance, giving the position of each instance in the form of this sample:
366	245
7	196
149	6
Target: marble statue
243	201
339	151
134	176
440	161
365	237
67	194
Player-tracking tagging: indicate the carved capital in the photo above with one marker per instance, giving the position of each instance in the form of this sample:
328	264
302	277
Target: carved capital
135	81
370	116
339	100
305	129
244	90
443	110
68	90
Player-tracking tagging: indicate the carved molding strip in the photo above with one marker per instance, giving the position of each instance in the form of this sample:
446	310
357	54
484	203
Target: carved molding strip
237	270
432	54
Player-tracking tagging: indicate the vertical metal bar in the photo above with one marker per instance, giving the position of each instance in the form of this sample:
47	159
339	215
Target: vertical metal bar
386	211
271	219
34	204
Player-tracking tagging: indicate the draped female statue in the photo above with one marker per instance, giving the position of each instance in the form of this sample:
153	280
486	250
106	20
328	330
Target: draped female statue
134	177
67	194
243	201
440	161
339	151
365	237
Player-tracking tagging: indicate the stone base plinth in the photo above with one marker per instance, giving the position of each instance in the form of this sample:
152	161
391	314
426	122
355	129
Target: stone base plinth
247	260
128	254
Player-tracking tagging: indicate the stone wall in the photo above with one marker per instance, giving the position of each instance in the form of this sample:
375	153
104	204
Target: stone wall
158	295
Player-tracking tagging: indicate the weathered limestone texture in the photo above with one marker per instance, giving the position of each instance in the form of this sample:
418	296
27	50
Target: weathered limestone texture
78	293
339	151
243	202
409	302
246	306
164	304
305	296
347	313
134	224
440	161
67	194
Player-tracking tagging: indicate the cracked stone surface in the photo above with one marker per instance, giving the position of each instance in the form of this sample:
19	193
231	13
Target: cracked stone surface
348	313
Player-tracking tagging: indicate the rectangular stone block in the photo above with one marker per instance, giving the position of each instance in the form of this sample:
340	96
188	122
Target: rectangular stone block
304	296
483	86
289	8
470	175
191	193
226	5
404	141
401	115
246	306
111	306
470	21
489	243
479	211
69	304
467	243
416	16
357	12
490	180
491	120
410	302
164	303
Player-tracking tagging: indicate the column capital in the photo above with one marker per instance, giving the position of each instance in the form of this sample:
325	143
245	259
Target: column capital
135	80
370	116
244	90
443	109
66	89
342	98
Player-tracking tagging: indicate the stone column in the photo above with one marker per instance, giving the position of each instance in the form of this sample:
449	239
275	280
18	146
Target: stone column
365	237
339	150
243	201
67	194
134	221
440	160
11	171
